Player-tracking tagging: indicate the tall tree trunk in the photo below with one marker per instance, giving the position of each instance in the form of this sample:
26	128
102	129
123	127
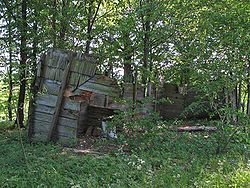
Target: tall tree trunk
239	96
146	46
54	8
248	89
63	23
134	81
90	9
10	73
244	102
149	90
128	53
23	64
34	51
233	100
145	53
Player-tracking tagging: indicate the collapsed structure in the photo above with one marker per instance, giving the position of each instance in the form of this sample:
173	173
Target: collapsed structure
70	98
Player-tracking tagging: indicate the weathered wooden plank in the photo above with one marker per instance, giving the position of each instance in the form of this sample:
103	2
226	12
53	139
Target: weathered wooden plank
51	87
50	101
60	101
56	59
100	109
103	80
61	63
47	100
74	78
54	73
42	128
80	66
53	60
101	89
96	112
195	129
44	109
43	114
43	117
59	74
66	131
71	105
34	91
97	99
68	122
49	73
82	121
64	53
71	114
83	79
84	67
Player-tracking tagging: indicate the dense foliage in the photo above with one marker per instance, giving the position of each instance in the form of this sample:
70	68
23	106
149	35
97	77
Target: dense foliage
199	43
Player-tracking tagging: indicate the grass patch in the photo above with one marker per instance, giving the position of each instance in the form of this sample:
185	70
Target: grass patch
159	158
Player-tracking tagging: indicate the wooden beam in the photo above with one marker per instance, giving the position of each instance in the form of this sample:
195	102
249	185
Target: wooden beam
196	129
60	101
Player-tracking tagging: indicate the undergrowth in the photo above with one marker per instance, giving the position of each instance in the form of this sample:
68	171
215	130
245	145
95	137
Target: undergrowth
157	158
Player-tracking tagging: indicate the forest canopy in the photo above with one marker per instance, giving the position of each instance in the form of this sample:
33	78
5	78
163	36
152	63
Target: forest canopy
203	44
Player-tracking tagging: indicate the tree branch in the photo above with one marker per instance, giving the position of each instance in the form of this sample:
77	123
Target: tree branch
94	18
9	10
